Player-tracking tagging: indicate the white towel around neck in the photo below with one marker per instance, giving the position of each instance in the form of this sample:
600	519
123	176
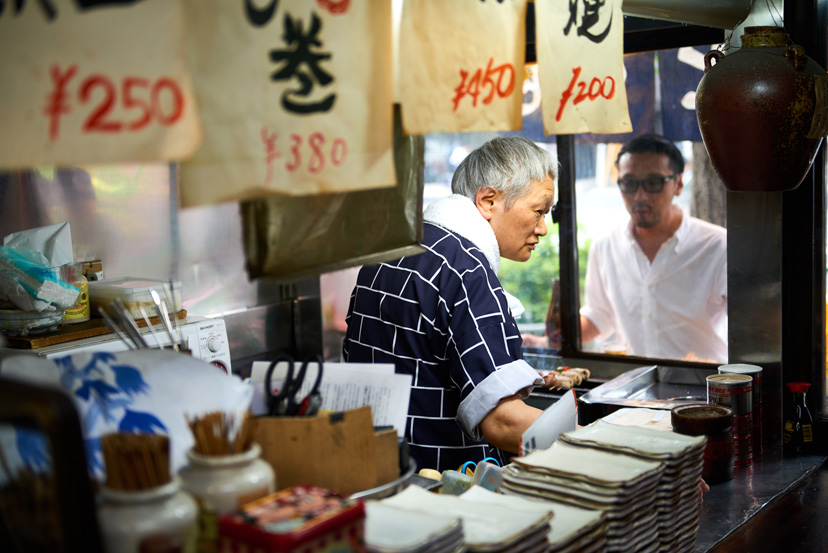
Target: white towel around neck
459	215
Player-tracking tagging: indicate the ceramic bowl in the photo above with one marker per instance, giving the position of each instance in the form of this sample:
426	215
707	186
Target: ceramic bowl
16	322
701	419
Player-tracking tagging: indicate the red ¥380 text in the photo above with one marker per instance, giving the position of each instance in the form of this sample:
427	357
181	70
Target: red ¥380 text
315	153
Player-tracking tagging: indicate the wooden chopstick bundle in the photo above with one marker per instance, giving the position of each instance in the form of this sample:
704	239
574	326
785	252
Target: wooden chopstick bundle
244	436
136	461
219	433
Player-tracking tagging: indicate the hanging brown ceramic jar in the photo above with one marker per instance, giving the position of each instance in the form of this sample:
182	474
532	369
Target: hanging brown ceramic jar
762	112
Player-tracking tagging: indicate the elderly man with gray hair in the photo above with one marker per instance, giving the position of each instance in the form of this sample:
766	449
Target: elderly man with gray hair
443	317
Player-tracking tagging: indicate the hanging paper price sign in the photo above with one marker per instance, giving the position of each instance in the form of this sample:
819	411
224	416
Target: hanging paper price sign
295	98
580	60
94	82
461	65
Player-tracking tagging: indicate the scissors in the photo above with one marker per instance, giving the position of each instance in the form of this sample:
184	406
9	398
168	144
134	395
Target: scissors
284	404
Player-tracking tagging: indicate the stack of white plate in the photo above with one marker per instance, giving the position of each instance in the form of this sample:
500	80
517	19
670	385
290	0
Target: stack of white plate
676	499
622	486
393	530
571	530
487	527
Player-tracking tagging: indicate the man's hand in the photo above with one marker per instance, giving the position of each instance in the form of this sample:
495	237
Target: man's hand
534	341
506	423
588	330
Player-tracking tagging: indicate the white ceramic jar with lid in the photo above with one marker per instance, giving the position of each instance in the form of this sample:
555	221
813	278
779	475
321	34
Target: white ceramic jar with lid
161	518
222	483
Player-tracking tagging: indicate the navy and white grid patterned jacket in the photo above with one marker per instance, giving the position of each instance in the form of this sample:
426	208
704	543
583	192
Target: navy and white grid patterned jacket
442	317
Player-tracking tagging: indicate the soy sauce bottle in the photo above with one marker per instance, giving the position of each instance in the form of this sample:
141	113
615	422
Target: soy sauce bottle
797	433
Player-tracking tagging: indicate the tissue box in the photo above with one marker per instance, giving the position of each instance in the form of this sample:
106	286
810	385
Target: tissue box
134	292
302	518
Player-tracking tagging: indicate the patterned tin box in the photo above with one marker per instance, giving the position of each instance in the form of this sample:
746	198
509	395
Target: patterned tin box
301	519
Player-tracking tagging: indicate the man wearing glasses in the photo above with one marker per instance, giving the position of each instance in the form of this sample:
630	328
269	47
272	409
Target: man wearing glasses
659	283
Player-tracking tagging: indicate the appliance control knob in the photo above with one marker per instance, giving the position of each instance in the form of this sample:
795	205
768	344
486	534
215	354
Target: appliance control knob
213	344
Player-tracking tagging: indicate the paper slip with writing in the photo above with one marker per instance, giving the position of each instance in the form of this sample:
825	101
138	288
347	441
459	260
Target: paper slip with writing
453	76
345	386
95	82
581	67
295	98
560	417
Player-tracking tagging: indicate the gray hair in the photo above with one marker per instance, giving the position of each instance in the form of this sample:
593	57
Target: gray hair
510	164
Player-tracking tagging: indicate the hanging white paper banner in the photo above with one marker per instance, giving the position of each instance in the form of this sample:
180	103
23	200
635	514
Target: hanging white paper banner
94	82
295	98
580	57
461	65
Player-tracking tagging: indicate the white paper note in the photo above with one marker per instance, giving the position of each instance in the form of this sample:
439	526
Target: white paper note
345	386
560	417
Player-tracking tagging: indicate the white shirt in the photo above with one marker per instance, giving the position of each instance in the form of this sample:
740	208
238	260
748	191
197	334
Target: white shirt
674	308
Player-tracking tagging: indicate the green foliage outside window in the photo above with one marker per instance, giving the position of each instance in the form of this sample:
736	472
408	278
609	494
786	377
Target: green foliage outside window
531	282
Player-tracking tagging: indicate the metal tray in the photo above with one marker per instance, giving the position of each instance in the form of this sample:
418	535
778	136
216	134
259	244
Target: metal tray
391	488
653	387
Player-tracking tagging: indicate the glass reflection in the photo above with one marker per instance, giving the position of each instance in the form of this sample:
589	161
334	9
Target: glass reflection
657	105
530	282
656	274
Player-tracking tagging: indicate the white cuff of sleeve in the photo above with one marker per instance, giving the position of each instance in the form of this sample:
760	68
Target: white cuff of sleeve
516	377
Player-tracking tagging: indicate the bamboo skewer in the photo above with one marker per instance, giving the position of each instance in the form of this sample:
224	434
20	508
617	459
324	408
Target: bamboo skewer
136	461
220	433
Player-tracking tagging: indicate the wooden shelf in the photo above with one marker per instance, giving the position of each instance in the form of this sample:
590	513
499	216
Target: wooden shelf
67	333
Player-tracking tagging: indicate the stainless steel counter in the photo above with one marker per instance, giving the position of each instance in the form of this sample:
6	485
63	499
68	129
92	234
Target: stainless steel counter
730	504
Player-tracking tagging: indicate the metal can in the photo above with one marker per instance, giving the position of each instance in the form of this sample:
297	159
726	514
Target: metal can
754	371
734	391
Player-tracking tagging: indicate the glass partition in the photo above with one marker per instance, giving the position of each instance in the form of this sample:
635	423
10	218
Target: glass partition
531	282
657	105
642	306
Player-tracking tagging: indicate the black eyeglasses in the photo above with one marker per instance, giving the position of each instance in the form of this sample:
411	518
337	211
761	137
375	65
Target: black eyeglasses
652	185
